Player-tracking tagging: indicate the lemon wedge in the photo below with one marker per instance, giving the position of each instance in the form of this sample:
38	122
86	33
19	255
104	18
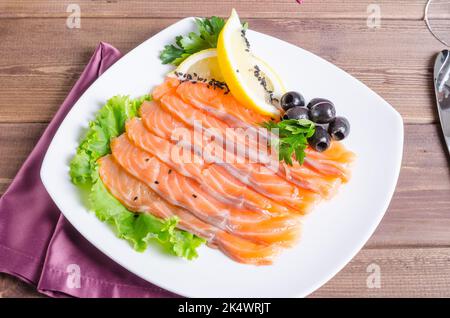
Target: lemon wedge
251	81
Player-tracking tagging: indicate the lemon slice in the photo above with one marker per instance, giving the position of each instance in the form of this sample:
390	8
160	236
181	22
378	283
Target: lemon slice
251	81
203	65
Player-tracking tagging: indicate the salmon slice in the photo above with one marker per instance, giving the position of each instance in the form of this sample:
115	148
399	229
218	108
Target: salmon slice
187	193
157	121
219	104
245	251
169	85
225	107
245	143
335	161
324	185
211	177
184	161
256	176
166	126
138	197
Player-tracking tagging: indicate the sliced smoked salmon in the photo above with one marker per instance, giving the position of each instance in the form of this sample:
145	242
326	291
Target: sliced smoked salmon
219	104
169	85
212	177
334	169
223	106
197	154
187	193
257	176
138	197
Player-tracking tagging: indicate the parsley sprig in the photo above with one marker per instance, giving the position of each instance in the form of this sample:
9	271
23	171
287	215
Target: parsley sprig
208	30
292	138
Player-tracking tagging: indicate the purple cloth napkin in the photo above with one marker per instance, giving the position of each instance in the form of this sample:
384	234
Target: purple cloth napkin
38	245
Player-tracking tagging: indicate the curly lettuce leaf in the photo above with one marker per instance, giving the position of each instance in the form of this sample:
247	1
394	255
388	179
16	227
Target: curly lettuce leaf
109	123
138	229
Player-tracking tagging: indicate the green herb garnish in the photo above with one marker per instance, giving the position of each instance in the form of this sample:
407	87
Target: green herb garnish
206	38
292	138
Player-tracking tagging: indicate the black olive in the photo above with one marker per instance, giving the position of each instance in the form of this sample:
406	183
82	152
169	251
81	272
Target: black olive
339	128
291	99
322	111
315	101
321	140
296	113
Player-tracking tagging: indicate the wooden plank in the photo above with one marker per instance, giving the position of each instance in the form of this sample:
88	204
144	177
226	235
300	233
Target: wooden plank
410	221
37	73
11	287
404	272
418	213
415	218
310	9
16	142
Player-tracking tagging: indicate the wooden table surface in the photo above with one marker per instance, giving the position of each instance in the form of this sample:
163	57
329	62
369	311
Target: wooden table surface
41	58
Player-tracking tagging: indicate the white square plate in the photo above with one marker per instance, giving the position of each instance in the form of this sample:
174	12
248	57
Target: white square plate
333	233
